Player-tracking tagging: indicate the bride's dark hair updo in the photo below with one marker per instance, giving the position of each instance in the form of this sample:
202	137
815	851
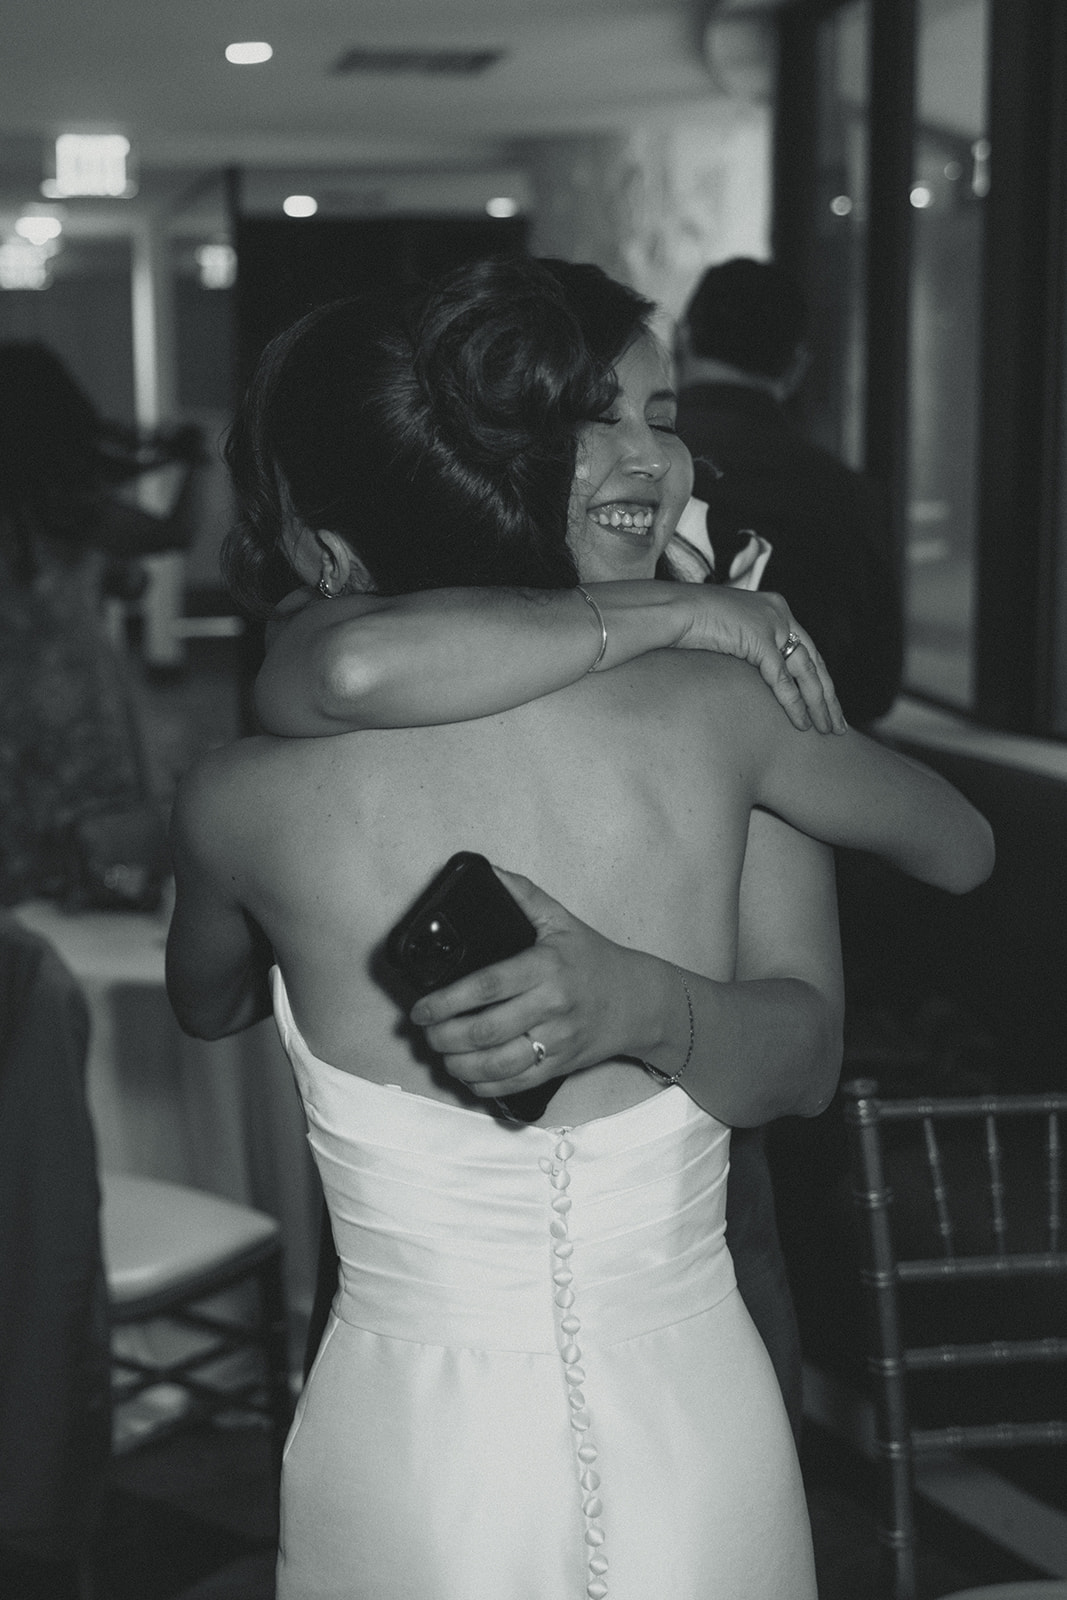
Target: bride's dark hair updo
436	430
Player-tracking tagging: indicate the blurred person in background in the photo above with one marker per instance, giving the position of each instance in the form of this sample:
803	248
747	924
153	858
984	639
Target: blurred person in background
741	355
71	747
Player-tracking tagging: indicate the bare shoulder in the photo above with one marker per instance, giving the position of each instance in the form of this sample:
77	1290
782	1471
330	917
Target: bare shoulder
219	789
726	693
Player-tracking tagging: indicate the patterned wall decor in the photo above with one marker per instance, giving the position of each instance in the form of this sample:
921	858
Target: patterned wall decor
658	203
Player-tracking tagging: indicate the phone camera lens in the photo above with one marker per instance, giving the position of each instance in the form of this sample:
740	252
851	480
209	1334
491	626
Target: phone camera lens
433	948
439	938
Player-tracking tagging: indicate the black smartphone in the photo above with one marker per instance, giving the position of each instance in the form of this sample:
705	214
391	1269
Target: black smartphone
465	920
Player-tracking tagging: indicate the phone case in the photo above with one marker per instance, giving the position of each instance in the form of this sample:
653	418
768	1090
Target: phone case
463	921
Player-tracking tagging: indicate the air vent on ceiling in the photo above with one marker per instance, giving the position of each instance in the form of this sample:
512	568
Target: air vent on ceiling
422	63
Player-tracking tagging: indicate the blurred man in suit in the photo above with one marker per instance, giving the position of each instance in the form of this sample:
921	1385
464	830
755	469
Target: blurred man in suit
741	355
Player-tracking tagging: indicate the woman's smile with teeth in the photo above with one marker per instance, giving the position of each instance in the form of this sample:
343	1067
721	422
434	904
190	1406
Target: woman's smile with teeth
637	519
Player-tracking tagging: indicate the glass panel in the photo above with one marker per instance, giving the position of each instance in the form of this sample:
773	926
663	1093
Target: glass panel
951	165
833	390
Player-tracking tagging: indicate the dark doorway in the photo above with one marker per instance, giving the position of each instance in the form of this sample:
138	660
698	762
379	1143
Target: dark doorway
288	266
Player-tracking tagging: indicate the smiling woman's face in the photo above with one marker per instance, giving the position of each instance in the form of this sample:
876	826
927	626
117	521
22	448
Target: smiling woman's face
633	476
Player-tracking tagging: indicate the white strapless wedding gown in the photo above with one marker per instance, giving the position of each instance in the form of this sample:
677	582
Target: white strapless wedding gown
538	1381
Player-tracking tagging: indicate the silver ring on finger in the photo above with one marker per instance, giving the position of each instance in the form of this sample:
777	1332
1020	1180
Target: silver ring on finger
538	1049
791	643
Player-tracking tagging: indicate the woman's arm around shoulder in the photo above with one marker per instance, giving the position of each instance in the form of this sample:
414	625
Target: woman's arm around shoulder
450	655
780	1023
859	793
218	959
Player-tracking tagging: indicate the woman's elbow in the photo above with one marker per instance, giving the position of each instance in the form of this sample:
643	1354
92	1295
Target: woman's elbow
206	1029
973	858
200	1022
195	1017
808	1085
983	855
820	1085
346	681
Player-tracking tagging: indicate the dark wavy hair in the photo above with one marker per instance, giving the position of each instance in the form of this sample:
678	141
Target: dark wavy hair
436	431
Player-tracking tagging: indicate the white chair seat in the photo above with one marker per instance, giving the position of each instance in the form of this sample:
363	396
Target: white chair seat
158	1236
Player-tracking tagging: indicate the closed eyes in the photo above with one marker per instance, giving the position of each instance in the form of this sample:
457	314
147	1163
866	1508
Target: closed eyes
658	424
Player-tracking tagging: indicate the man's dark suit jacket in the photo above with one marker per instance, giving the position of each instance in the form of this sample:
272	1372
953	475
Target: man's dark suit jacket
828	527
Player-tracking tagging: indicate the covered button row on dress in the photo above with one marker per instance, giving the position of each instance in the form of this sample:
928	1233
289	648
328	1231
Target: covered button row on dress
570	1352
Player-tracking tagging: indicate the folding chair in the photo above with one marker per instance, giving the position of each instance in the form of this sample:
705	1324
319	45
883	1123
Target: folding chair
964	1265
168	1249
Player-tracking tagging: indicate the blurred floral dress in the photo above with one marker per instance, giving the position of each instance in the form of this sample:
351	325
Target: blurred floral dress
69	746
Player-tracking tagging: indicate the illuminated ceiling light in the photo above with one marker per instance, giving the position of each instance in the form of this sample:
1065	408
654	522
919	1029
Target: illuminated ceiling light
218	266
921	196
840	205
24	265
249	53
39	230
90	164
300	205
502	206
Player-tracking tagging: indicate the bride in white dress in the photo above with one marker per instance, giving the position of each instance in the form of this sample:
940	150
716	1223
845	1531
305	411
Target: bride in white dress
538	1380
564	1396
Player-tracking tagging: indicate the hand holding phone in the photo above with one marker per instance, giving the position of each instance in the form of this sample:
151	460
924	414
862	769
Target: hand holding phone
463	921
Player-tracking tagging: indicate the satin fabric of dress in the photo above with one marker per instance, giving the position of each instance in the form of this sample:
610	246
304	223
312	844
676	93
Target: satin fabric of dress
538	1381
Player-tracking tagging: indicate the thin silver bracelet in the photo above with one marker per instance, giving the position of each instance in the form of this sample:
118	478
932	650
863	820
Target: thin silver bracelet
599	615
669	1079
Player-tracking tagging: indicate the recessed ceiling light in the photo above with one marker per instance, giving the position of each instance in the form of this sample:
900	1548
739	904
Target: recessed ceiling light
502	206
300	205
249	54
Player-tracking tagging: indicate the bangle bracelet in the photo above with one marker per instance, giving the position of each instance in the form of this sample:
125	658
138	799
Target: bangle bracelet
669	1079
599	615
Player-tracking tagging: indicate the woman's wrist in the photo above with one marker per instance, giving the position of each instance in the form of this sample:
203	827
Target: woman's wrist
662	1024
638	616
669	1078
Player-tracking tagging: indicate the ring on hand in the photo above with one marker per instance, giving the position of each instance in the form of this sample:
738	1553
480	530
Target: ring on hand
538	1049
791	642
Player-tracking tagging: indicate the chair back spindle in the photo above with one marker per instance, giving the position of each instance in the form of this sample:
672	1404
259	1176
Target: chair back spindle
996	1186
935	1271
1055	1182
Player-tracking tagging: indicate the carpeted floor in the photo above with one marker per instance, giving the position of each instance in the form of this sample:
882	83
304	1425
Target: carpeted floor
194	1516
